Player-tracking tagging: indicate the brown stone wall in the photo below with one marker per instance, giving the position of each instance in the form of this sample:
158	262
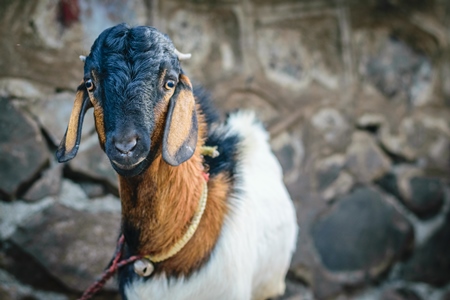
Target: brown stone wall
355	94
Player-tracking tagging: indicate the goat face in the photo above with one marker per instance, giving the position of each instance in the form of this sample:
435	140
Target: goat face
143	103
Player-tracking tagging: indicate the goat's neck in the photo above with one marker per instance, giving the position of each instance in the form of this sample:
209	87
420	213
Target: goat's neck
158	206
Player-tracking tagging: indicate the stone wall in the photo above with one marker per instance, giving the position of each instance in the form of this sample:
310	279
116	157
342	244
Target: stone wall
356	97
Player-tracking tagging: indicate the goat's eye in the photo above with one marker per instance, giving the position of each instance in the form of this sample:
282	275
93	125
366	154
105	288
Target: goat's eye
170	84
89	85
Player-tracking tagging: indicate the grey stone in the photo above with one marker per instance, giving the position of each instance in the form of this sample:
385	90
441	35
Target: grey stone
431	262
265	111
421	194
332	127
399	294
369	120
290	151
326	178
427	196
53	115
362	234
93	189
341	186
399	72
294	56
419	136
73	246
14	213
328	170
12	289
73	196
23	89
93	163
296	291
389	183
446	296
48	185
365	160
332	181
285	65
23	151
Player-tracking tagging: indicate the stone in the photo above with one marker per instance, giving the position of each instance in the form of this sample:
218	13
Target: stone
362	234
15	213
332	127
59	107
328	170
290	151
341	186
419	136
92	189
23	89
12	289
73	196
23	152
400	72
389	183
422	195
92	163
365	160
430	263
25	269
284	65
267	112
426	196
293	56
371	121
48	185
446	296
73	246
399	294
326	178
332	181
296	291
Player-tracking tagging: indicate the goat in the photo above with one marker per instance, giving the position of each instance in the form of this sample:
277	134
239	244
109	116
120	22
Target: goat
229	236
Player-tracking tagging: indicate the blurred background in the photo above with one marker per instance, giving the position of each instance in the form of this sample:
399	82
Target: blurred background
355	94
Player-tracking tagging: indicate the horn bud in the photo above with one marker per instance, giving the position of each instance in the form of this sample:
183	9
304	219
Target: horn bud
182	56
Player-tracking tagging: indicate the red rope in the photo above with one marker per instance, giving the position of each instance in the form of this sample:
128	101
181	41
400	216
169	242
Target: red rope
115	265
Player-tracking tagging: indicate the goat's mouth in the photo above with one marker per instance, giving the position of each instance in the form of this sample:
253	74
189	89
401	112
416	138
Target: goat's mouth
128	167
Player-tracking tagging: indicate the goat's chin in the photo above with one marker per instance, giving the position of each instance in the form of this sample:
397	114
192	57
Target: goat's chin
130	170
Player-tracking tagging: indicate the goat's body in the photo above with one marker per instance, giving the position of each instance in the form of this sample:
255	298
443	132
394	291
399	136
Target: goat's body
154	131
258	237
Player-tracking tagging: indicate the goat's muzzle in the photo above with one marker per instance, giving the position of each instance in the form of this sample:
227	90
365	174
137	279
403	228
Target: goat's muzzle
127	152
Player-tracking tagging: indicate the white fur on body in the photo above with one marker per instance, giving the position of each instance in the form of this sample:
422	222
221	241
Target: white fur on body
258	238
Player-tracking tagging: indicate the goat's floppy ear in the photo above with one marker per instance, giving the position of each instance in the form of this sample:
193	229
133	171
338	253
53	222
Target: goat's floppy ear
180	132
68	147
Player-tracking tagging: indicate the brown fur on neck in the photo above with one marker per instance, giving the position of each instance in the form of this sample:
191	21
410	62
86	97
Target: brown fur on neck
161	202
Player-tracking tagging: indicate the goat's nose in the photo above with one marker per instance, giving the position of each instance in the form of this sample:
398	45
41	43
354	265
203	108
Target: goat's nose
126	145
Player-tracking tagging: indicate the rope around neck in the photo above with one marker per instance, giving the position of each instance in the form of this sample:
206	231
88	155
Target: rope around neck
189	233
117	263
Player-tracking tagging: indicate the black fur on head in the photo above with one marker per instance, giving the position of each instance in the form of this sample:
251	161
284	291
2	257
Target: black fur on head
130	69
